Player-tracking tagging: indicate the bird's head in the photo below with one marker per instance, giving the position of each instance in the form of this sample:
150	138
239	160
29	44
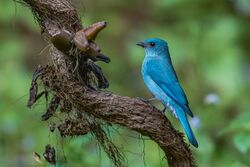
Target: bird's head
154	46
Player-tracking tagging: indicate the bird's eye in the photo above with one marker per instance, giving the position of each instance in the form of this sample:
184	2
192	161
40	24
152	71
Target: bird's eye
152	44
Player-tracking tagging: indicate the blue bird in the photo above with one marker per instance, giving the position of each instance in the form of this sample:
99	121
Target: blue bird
160	78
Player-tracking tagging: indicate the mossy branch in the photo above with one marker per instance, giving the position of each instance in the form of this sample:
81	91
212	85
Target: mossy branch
76	80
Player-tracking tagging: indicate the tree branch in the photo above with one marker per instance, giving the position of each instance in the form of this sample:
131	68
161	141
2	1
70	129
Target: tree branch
59	16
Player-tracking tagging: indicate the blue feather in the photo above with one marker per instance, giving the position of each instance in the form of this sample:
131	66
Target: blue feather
185	124
163	74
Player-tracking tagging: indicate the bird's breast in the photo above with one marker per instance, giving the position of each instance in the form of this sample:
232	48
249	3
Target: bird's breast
150	83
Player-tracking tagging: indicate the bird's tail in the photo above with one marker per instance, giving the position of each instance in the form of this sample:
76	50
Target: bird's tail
186	126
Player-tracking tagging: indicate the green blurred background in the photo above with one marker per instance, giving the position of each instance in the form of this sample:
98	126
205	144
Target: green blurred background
209	44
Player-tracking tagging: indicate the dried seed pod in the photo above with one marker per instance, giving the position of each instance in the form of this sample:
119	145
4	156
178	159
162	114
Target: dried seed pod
92	31
62	40
97	71
101	57
33	95
50	154
52	108
94	49
81	41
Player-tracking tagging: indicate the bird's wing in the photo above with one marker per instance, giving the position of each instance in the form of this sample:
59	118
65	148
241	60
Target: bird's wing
165	77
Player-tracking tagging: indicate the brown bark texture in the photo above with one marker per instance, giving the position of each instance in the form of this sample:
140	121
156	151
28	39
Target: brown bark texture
76	83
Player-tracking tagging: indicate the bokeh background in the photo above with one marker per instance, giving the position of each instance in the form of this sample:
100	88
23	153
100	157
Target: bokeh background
209	43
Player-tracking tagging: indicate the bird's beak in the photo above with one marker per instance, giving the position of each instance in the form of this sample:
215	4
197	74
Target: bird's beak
142	44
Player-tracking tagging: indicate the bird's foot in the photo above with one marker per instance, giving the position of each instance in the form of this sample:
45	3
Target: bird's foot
147	100
164	110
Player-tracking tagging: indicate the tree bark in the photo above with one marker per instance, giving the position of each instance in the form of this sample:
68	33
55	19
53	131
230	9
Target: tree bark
55	16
